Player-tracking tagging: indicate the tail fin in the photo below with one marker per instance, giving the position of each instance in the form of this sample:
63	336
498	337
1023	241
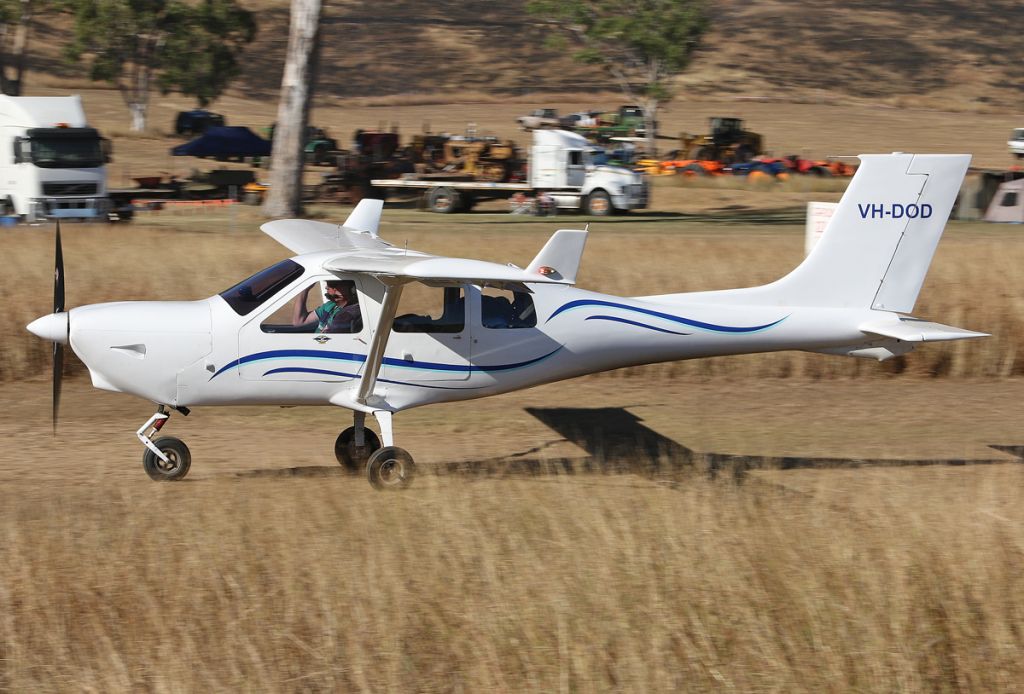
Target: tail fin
561	255
365	217
878	246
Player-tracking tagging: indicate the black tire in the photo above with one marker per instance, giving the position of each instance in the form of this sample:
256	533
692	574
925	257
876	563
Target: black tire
744	153
320	154
180	457
443	200
694	169
705	154
599	204
390	469
350	456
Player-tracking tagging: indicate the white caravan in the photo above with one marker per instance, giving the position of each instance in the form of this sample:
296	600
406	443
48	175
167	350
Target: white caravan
560	164
51	161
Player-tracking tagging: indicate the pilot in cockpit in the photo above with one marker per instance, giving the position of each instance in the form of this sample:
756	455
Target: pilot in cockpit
339	314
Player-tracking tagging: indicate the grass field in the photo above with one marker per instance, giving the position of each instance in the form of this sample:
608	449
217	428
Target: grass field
519	561
268	570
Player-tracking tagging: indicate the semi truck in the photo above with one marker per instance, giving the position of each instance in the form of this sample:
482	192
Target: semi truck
559	164
52	164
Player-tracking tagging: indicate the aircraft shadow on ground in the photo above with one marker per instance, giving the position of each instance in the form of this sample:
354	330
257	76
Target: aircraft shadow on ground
617	442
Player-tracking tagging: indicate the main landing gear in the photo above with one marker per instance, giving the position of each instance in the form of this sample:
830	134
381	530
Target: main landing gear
388	467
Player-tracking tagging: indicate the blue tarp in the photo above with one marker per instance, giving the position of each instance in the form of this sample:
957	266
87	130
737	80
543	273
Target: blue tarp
226	141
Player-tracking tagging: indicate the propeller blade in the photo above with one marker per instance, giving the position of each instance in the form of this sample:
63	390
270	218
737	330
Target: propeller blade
58	375
58	275
58	306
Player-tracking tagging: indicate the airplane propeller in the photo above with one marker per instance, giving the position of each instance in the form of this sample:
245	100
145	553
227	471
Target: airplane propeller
58	307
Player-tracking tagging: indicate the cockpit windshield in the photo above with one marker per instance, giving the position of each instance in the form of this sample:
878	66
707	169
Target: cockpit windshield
248	295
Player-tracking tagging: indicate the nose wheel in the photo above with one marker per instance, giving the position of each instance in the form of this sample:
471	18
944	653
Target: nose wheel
179	460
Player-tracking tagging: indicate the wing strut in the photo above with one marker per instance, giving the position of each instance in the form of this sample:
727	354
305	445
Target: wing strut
379	342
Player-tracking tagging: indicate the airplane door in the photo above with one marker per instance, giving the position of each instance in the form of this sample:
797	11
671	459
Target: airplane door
331	346
430	338
505	333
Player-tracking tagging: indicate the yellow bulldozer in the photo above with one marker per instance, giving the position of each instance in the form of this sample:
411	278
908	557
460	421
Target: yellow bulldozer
727	142
481	159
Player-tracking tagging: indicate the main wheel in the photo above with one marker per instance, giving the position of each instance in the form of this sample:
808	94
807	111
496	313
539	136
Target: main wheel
599	204
349	455
179	460
390	467
443	200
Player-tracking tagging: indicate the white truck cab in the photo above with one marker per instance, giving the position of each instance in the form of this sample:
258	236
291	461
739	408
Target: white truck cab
52	164
1016	143
561	163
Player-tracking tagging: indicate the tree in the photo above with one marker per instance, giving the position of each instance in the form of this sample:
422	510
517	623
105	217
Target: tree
643	44
285	195
15	24
190	47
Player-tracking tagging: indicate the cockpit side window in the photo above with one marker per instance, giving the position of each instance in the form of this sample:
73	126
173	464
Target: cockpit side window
248	295
502	309
424	309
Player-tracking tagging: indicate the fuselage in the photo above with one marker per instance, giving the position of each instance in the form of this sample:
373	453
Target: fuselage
207	353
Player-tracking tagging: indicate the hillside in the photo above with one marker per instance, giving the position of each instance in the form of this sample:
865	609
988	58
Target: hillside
918	52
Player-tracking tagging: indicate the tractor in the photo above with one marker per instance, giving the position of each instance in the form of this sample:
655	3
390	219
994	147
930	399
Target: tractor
727	142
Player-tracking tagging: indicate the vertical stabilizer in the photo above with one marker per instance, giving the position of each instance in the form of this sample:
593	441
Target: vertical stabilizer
879	244
365	217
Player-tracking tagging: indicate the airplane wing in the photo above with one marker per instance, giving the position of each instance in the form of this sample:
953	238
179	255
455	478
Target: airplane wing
305	236
396	266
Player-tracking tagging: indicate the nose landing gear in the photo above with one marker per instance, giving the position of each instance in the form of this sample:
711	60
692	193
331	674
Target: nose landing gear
166	459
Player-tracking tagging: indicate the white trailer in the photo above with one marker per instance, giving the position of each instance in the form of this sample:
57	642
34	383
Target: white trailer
560	164
52	164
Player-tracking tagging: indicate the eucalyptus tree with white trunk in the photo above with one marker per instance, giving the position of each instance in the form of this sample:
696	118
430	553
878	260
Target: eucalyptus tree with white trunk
284	199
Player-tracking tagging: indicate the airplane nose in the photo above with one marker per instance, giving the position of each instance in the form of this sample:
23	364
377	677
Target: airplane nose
52	327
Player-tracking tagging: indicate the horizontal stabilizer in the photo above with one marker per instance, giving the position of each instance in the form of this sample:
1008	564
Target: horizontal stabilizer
916	330
560	257
306	236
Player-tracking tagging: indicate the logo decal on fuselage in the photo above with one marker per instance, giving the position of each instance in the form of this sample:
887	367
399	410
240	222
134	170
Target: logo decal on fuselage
322	339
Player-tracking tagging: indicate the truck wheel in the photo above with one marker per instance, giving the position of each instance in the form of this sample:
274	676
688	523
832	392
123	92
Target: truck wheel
443	200
744	153
599	204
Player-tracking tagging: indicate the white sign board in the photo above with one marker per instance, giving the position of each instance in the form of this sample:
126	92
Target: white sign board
819	214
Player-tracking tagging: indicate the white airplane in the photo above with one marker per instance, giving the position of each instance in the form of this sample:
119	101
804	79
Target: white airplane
476	328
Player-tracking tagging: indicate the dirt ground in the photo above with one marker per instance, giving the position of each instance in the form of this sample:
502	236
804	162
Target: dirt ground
941	420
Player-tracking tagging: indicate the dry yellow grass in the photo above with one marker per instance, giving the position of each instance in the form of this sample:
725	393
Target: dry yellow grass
880	581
